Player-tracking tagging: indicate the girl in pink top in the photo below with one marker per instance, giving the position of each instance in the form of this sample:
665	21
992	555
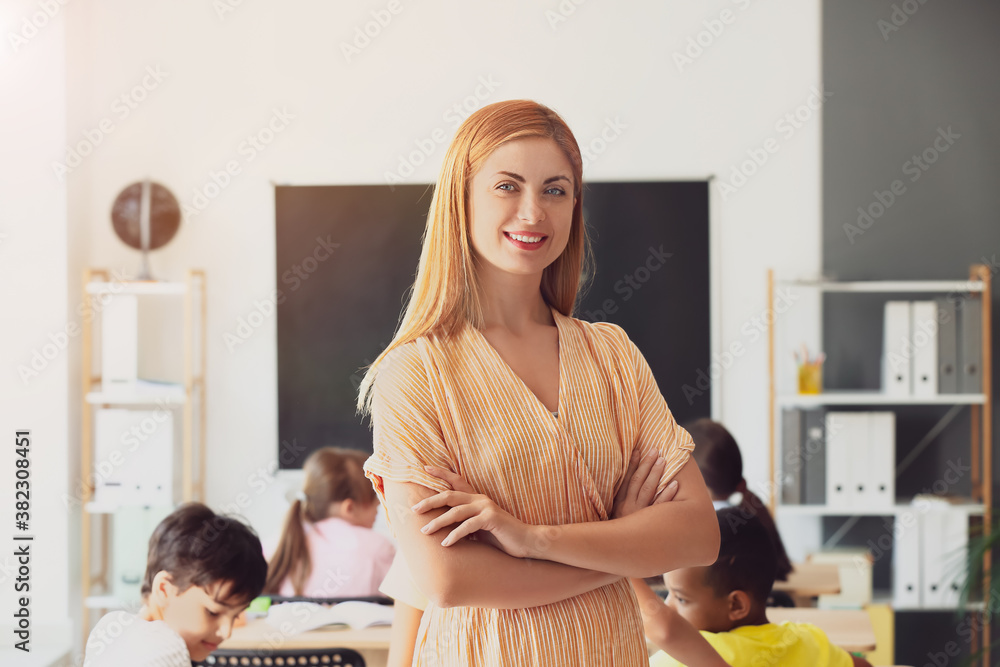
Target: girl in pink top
327	546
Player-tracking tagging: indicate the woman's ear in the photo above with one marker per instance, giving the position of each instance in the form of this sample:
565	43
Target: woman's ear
739	605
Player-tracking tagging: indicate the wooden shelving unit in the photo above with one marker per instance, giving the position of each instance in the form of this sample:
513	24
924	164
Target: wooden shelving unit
980	406
188	397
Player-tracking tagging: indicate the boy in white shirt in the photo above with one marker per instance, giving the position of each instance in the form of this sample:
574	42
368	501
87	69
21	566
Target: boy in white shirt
202	571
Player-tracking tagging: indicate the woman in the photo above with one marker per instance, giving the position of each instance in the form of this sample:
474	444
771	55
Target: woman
491	378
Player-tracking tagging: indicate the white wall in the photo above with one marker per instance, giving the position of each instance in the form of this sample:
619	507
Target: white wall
33	290
223	77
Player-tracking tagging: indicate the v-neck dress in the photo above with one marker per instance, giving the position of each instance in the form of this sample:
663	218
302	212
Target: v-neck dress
457	405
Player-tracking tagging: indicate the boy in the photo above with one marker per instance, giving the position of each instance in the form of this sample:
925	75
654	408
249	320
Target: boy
201	573
726	602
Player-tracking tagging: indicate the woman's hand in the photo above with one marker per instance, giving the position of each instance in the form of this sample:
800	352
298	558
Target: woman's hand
638	489
475	512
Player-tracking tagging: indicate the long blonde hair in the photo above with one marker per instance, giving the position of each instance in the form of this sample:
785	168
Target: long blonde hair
332	474
445	293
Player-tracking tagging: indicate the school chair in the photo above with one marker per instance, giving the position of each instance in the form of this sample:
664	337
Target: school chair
278	657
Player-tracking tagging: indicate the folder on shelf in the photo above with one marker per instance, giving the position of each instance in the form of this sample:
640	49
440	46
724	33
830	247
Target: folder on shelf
119	340
954	554
924	337
843	429
971	332
791	456
907	557
877	458
813	473
947	346
933	532
897	359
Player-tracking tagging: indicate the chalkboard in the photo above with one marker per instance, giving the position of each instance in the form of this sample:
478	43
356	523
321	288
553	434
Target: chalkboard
347	256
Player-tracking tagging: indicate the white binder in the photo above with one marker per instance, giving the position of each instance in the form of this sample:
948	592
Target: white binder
119	340
844	430
954	555
932	544
134	457
897	358
924	336
907	557
879	455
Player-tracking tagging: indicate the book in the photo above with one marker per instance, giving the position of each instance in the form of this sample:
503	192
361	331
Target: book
293	618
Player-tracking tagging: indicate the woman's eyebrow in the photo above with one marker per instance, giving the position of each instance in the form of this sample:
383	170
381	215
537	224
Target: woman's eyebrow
521	179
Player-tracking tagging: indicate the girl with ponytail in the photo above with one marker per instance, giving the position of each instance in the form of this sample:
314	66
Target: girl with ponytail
327	547
721	465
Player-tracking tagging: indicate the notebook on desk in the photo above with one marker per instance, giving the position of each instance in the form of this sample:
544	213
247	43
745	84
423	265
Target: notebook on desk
292	618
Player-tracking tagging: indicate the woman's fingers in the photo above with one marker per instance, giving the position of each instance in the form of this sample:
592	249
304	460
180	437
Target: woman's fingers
442	499
648	489
454	515
667	494
467	528
641	473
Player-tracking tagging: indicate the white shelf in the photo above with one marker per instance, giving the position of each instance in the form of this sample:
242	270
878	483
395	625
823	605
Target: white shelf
137	287
890	286
142	393
895	510
875	397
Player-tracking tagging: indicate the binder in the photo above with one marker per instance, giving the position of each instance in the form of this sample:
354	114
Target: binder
133	457
896	356
947	346
791	457
813	471
932	544
970	330
120	340
907	560
843	430
954	556
878	456
924	336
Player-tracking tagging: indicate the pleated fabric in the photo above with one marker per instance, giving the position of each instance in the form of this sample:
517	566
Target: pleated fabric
456	404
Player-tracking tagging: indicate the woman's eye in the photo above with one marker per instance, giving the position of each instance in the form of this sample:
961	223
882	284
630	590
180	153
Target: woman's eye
558	191
506	186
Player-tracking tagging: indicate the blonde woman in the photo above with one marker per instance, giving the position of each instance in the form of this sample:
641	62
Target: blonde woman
491	378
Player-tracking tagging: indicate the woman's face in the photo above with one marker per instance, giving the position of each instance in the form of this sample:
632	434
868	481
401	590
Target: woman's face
521	207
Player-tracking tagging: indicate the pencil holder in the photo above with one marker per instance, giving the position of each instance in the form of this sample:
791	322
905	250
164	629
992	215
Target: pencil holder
810	378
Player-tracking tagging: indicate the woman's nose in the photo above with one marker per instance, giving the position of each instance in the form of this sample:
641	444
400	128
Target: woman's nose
531	209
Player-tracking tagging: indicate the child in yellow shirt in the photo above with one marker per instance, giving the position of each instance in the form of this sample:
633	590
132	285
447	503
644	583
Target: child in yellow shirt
726	603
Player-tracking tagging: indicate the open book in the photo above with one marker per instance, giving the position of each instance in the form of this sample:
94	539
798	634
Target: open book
291	618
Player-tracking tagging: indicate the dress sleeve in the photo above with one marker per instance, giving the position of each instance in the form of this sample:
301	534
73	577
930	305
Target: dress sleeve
406	428
658	430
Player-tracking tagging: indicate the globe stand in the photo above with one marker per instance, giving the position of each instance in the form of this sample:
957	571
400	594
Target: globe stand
144	272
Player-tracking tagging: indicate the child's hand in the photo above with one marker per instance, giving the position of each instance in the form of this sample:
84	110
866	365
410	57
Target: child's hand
638	489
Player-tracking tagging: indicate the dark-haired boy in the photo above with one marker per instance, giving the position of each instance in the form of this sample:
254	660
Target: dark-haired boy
202	571
726	603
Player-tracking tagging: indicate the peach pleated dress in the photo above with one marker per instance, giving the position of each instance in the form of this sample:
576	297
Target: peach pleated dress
456	404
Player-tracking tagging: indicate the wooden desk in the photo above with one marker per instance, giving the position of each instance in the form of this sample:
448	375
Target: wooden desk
371	643
850	629
808	580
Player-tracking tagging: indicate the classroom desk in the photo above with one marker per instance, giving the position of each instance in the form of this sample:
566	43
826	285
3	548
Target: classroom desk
809	580
850	629
371	643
